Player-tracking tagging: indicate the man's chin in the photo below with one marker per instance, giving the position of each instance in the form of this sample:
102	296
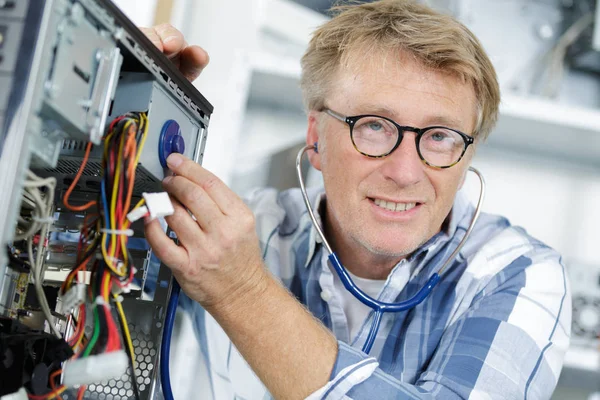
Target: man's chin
392	250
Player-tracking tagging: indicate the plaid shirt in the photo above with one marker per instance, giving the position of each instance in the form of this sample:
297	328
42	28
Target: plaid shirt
496	326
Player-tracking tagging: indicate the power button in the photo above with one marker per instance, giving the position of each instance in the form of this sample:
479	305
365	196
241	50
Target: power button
170	141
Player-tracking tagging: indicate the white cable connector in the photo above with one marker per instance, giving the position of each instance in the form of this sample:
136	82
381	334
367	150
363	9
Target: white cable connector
93	369
74	297
159	204
116	289
137	214
125	232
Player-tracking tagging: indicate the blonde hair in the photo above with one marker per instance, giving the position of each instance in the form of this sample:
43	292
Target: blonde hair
435	40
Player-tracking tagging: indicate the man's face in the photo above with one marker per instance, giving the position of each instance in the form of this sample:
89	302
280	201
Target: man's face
411	95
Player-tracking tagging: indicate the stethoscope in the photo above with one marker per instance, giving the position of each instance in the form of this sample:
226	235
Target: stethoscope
378	306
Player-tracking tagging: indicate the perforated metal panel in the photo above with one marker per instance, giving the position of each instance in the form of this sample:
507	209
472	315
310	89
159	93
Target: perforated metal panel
145	321
146	351
67	167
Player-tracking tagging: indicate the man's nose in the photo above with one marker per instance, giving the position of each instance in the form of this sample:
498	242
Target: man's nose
404	166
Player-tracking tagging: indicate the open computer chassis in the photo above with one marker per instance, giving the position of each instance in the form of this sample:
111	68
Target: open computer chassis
67	69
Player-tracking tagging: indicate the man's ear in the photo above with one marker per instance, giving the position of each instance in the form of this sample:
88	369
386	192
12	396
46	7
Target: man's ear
312	137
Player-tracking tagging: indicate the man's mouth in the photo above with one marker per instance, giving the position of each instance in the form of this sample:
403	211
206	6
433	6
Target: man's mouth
392	206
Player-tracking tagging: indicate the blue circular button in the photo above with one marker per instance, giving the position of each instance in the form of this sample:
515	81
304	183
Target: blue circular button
177	144
170	141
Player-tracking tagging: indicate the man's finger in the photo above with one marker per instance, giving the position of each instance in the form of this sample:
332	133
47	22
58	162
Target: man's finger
188	231
223	196
172	40
192	61
164	248
195	199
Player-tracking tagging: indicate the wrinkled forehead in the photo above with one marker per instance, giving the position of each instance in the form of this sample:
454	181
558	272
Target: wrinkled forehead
392	79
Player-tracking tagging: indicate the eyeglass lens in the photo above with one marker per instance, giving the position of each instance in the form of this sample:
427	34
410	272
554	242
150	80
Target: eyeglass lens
376	136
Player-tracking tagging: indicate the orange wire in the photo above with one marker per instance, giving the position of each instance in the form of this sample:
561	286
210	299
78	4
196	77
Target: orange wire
80	267
53	386
79	330
84	207
47	396
81	392
131	170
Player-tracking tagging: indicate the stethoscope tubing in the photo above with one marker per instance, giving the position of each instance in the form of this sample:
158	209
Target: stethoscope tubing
380	307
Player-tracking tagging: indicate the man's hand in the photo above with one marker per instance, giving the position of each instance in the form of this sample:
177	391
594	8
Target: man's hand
190	60
218	257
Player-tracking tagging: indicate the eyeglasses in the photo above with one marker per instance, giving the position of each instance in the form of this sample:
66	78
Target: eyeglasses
377	137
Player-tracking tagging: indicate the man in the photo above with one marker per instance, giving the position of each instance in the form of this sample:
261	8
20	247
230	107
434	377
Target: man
395	94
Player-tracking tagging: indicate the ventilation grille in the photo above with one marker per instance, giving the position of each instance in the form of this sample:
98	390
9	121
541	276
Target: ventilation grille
90	178
146	355
70	167
74	145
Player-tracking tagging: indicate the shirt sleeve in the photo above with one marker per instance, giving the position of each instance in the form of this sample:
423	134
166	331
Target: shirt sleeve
486	352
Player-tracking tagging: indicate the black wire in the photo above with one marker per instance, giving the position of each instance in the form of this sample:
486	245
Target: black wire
131	356
102	341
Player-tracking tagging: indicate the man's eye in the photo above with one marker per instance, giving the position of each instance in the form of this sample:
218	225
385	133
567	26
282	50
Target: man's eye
375	126
438	136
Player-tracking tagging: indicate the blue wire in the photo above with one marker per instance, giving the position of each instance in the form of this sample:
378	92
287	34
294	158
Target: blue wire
105	206
165	348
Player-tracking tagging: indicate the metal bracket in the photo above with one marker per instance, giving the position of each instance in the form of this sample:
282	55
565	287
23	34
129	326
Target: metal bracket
105	84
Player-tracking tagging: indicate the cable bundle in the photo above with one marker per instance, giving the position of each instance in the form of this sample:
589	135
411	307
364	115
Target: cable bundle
106	227
40	221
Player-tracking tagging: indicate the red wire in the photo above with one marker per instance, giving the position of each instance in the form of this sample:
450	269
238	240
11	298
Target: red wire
81	392
112	124
113	340
80	326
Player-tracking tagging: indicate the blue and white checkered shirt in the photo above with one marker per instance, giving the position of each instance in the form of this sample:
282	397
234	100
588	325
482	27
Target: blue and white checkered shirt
496	326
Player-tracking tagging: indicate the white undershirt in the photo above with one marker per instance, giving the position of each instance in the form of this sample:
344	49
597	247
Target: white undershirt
355	311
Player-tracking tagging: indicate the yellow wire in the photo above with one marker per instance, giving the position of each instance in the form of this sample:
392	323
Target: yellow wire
126	225
109	258
113	202
56	393
106	141
125	222
144	137
78	341
125	328
106	286
113	238
138	205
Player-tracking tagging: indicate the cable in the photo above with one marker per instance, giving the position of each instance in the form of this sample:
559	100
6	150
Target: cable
44	213
127	340
105	225
165	347
84	207
125	328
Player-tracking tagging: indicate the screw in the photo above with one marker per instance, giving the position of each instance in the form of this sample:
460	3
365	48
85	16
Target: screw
545	31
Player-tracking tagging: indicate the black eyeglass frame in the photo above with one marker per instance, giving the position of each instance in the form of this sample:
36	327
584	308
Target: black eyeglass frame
351	121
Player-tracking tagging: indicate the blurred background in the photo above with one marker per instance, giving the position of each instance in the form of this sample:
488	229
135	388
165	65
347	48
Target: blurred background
541	164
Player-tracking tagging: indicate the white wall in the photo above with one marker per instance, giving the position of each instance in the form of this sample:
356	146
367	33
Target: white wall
141	12
554	201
